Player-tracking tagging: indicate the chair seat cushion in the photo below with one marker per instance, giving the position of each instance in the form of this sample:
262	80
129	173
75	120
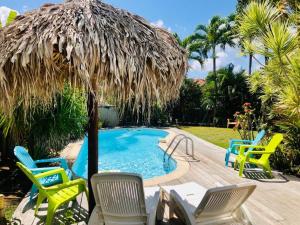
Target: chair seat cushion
190	193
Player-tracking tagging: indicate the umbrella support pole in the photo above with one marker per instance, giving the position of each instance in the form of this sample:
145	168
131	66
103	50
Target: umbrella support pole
92	143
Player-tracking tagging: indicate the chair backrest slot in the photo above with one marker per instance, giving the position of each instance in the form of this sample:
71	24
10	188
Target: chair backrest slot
224	200
22	154
119	195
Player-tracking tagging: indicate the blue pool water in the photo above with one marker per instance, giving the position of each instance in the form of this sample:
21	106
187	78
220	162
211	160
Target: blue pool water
127	150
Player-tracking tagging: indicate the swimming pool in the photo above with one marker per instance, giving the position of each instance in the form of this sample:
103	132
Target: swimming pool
127	150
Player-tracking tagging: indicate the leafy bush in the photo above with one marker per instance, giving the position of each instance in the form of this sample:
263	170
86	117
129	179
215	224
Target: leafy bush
278	81
246	122
44	131
188	108
232	92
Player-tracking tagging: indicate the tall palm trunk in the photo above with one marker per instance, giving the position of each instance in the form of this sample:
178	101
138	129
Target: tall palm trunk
250	63
216	86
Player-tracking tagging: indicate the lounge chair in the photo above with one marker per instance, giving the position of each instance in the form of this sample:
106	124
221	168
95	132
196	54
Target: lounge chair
234	145
23	156
197	205
56	195
120	199
263	160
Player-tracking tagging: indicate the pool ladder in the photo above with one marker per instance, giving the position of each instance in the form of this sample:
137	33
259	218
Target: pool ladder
180	138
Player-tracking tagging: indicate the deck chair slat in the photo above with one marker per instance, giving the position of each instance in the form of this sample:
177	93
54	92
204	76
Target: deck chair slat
120	199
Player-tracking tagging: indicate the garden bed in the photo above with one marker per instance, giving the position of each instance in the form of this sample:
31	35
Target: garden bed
13	185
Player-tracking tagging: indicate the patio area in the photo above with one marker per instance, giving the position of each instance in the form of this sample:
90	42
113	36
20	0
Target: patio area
275	201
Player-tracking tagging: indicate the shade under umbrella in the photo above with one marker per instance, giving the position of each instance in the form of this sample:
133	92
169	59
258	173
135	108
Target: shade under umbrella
90	45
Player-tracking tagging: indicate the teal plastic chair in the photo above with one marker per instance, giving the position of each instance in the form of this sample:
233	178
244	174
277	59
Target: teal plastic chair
234	145
23	156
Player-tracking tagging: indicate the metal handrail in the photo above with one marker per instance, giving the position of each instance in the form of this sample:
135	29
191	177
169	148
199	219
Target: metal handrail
184	137
178	135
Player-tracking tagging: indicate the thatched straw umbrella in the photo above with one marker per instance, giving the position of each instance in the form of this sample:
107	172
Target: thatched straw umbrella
90	45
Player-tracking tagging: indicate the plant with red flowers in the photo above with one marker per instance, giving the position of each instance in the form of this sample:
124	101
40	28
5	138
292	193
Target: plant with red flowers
245	121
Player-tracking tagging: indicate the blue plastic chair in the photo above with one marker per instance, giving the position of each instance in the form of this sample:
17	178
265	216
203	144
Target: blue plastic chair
23	156
235	143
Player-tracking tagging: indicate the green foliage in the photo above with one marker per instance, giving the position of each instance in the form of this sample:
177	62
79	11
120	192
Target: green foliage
283	6
159	116
187	108
278	82
218	33
232	92
194	48
11	17
44	131
246	122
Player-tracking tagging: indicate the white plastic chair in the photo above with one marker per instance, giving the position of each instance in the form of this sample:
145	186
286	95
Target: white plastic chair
221	205
120	200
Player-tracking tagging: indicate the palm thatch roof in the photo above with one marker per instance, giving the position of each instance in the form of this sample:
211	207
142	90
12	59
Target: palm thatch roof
83	40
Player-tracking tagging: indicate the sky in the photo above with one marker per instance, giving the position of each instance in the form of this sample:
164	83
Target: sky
175	15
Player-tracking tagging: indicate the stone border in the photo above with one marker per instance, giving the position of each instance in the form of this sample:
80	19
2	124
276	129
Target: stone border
72	150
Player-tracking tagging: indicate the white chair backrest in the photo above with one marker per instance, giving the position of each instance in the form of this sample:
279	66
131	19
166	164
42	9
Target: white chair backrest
224	200
119	195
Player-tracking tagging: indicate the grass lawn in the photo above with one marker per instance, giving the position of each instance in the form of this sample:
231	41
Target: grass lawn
215	135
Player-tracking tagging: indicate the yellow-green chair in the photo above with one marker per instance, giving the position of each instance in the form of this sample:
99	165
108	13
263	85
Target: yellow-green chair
263	160
58	194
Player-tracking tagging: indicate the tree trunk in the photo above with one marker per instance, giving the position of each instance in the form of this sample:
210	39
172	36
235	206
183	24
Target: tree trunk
92	141
250	63
3	146
216	86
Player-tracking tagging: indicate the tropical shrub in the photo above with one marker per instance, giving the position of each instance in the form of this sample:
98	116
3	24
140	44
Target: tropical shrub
207	38
246	122
278	81
44	131
188	109
232	92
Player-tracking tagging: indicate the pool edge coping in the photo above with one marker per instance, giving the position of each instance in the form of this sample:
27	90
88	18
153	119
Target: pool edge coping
182	165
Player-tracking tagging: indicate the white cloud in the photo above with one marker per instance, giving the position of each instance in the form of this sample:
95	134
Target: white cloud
195	66
160	23
25	8
4	12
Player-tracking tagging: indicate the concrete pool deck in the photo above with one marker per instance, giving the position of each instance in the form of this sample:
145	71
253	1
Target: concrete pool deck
275	201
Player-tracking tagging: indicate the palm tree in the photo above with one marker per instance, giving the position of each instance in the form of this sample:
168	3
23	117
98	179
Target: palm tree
193	48
232	92
286	10
218	33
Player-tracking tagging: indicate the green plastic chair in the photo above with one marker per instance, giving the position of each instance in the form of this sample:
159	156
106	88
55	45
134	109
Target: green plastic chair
56	195
23	156
263	160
